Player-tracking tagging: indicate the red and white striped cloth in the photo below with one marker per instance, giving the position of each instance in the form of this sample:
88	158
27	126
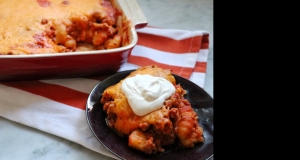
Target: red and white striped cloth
58	106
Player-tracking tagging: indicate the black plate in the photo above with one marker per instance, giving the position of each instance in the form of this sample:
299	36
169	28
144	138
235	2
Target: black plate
200	100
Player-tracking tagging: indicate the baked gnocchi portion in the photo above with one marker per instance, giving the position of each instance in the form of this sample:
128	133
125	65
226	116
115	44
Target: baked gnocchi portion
99	31
174	122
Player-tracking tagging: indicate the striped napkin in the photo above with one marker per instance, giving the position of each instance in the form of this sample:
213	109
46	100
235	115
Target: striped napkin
57	106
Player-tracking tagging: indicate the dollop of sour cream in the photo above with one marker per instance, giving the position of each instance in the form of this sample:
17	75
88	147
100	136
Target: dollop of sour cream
146	93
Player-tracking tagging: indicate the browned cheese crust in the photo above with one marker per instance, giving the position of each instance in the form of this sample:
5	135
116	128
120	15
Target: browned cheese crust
57	26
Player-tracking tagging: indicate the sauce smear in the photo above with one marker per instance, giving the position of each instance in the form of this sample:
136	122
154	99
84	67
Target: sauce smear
41	41
44	3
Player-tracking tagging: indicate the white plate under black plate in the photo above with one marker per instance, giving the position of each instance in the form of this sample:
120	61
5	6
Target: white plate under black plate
200	100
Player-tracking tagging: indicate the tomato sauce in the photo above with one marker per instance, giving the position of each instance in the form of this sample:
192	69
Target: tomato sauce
41	41
44	3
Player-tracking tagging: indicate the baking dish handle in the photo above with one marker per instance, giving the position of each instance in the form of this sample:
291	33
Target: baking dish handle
133	11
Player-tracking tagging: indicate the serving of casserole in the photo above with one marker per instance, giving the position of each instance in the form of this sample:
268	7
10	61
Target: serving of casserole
41	39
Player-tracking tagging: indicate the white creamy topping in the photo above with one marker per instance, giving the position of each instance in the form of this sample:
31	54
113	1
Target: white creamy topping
146	93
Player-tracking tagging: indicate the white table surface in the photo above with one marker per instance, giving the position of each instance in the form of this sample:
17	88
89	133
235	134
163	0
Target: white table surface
20	142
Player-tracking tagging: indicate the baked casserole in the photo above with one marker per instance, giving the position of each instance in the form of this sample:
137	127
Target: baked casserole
56	26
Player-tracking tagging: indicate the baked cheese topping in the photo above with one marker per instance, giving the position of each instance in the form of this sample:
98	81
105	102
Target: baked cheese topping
56	26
